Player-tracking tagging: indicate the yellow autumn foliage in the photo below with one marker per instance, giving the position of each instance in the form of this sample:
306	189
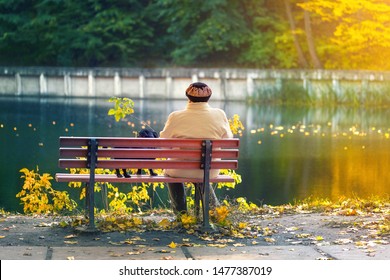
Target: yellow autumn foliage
360	34
187	220
236	126
38	196
220	214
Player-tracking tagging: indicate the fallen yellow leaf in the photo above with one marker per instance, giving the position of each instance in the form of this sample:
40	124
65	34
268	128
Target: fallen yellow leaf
292	228
166	251
217	245
2	236
350	212
112	243
269	240
115	255
303	235
361	243
63	224
343	241
188	220
137	221
172	245
242	225
133	253
165	223
319	238
137	238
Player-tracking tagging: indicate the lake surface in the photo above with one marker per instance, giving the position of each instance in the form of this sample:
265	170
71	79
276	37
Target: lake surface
286	154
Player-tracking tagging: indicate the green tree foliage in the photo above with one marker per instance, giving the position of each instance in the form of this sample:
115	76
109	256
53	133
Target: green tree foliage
223	32
339	34
72	33
134	32
199	29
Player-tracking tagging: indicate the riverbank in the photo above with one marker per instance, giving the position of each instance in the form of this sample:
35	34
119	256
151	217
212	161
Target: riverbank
275	234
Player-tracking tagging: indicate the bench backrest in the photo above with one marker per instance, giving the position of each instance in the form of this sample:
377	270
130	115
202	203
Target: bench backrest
120	152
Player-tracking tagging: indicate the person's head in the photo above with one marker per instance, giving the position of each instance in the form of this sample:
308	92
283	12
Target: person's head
198	92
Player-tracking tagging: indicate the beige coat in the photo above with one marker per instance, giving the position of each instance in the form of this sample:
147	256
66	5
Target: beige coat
197	120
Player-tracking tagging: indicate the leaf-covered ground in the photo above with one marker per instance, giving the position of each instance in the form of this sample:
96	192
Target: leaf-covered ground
363	224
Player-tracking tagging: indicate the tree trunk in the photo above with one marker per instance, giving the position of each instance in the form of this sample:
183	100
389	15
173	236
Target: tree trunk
301	58
310	42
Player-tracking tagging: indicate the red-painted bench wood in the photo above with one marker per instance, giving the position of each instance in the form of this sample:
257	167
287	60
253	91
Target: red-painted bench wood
153	153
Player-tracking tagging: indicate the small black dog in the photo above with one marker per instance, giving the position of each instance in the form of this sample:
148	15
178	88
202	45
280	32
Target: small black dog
143	133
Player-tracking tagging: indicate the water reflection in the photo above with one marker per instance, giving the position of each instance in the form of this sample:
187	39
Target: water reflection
326	152
286	153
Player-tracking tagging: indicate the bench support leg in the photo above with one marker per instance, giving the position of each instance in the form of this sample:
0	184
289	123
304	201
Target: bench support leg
206	164
90	205
86	212
92	161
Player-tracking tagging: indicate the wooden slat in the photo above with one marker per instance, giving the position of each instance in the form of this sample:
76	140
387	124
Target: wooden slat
226	143
152	164
73	141
163	153
166	164
145	142
147	153
149	142
73	152
66	177
127	163
131	142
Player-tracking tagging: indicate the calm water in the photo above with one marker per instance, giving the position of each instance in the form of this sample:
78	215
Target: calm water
287	153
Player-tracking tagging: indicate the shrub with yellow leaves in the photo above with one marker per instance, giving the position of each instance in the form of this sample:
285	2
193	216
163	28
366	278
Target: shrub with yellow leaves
220	214
231	173
187	220
122	107
236	125
118	201
244	206
38	196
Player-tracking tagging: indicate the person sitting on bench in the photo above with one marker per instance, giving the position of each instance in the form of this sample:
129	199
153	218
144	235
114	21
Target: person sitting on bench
197	120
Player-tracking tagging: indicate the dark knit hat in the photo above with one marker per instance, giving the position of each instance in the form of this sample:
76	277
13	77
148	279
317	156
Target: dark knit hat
198	92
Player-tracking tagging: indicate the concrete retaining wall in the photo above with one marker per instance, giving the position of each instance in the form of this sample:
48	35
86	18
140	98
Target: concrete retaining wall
227	84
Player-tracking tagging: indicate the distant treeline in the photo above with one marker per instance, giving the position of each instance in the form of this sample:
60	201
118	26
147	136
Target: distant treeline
327	34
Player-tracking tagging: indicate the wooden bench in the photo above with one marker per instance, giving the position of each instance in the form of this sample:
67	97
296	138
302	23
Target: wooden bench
147	153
